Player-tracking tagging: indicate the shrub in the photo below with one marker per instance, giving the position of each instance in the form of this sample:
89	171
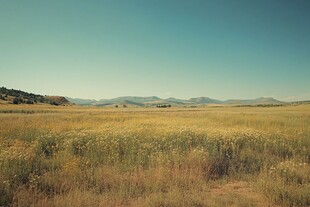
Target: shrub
48	146
29	102
16	101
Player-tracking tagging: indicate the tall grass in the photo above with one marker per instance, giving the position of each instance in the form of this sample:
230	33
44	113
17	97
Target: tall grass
152	157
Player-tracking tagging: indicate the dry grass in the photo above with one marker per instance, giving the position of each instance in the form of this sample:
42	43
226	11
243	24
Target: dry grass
86	156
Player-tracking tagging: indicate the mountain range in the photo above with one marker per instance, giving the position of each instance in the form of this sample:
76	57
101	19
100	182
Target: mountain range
152	101
21	97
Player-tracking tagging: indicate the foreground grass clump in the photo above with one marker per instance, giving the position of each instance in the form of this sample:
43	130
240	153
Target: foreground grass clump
154	157
288	183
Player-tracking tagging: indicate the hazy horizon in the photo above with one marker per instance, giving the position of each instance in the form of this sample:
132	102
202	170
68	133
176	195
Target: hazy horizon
303	97
285	99
182	49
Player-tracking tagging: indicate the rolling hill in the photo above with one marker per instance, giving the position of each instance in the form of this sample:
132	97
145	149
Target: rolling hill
205	100
80	101
261	100
12	96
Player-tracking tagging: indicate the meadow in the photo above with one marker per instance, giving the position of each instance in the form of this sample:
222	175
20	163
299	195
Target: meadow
213	156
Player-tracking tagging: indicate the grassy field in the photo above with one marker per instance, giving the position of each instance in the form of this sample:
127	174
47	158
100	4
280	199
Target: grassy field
212	156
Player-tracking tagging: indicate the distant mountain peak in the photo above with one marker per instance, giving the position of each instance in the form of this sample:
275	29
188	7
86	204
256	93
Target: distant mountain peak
265	98
205	100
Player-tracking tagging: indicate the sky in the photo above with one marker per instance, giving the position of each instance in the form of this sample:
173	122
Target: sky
99	49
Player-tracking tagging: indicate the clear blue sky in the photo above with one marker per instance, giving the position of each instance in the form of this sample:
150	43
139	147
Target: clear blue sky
102	49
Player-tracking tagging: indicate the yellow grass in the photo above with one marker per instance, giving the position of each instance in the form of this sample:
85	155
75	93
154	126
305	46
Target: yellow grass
88	156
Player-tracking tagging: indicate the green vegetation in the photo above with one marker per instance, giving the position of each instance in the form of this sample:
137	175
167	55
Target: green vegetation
164	106
20	97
